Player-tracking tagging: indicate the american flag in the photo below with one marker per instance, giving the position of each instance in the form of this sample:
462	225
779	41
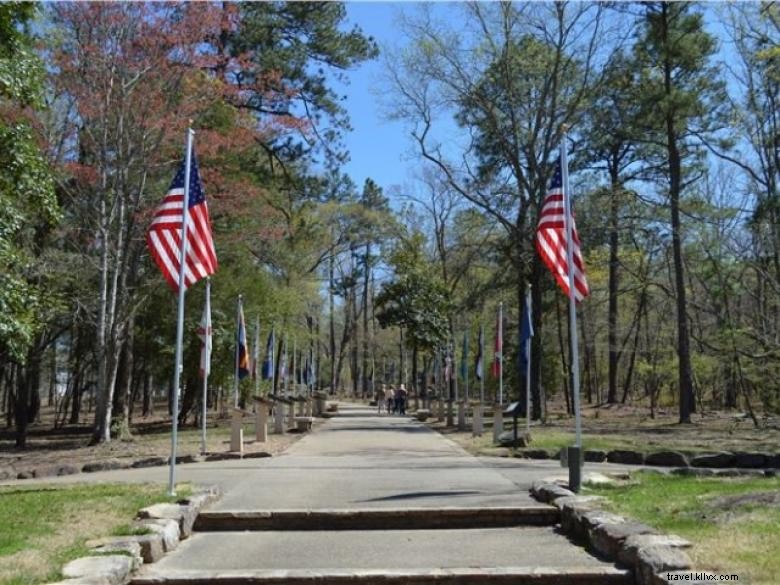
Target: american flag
551	239
164	235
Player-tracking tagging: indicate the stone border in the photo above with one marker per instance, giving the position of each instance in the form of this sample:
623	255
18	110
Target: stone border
9	473
742	460
115	558
650	555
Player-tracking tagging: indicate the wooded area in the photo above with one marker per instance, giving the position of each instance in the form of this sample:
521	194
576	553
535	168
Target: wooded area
673	115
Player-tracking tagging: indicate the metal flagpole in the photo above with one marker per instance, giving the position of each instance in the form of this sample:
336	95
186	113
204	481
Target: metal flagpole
501	354
528	365
572	302
238	351
180	321
207	352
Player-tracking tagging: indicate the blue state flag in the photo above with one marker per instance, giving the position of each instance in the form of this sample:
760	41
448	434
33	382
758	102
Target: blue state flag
526	333
268	364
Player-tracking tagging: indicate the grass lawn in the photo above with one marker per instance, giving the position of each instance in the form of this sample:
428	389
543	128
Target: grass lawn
733	523
44	527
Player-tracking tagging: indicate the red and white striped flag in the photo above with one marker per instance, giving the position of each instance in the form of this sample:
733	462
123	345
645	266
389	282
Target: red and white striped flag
551	239
164	235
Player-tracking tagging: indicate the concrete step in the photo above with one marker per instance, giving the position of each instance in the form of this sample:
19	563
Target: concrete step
529	555
463	576
378	518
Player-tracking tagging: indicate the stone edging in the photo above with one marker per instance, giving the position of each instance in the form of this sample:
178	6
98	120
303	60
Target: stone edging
113	464
654	558
716	460
116	557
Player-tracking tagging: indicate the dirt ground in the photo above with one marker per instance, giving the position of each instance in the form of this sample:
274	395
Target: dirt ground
628	427
151	437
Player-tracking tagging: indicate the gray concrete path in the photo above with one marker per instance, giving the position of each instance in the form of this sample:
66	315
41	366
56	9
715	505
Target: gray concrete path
357	462
360	460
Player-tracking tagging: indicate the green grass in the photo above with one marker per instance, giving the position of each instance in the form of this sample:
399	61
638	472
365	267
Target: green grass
44	527
742	538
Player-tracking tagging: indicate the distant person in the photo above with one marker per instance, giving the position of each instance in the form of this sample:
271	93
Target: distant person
379	396
401	399
389	398
393	399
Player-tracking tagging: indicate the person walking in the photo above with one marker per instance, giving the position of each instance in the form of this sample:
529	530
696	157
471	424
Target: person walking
389	398
401	399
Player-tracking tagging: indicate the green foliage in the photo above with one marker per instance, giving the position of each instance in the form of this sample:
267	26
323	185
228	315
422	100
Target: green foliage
27	201
414	300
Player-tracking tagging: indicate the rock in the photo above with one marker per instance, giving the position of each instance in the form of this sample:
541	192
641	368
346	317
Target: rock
593	518
7	473
188	459
549	492
667	459
593	456
26	474
749	460
507	439
721	459
121	545
608	539
202	498
422	415
634	543
150	462
46	471
115	569
184	515
256	455
572	508
106	465
152	548
626	457
166	529
655	559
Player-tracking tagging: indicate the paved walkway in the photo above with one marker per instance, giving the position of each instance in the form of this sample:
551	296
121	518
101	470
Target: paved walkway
359	461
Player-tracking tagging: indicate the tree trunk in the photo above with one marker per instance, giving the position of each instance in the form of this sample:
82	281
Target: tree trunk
148	402
614	282
685	379
366	337
332	324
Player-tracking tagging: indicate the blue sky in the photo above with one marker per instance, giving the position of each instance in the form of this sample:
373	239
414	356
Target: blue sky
379	149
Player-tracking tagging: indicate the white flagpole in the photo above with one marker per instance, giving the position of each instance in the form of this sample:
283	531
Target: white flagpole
238	346
501	354
575	358
207	360
528	366
180	321
294	377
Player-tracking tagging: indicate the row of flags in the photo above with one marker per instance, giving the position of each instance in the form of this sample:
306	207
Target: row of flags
164	241
181	243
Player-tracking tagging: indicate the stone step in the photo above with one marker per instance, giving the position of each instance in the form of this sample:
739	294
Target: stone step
378	518
455	576
527	555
